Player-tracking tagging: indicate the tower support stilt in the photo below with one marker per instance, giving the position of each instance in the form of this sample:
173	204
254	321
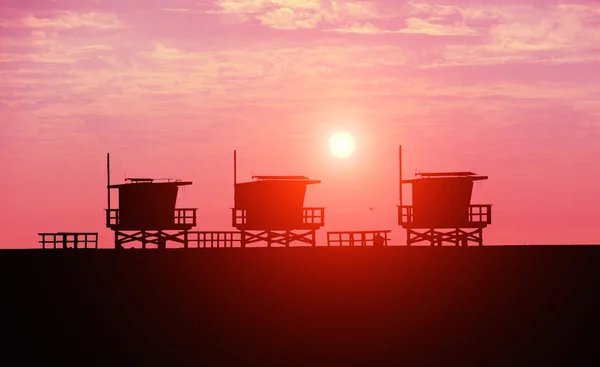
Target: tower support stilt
157	237
437	237
278	238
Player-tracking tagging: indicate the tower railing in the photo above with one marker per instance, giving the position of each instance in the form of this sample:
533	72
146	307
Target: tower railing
478	214
312	216
182	216
186	216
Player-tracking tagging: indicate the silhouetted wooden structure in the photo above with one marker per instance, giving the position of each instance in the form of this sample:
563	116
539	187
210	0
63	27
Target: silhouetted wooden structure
441	209
358	238
74	240
271	209
147	212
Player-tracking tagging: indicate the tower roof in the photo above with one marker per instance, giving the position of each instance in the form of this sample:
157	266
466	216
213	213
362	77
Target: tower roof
151	181
462	175
302	179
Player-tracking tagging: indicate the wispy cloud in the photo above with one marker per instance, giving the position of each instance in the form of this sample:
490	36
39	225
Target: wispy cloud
66	20
362	28
523	33
176	10
422	26
299	14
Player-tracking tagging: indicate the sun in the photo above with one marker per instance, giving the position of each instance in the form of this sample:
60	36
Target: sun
341	144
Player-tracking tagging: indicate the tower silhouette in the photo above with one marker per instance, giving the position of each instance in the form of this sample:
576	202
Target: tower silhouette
147	212
271	209
441	209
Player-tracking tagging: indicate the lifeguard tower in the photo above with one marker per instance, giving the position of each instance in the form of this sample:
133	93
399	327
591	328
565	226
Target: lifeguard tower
271	209
147	212
441	209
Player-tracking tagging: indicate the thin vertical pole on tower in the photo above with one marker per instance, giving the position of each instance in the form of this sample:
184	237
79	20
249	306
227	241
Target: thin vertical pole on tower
108	180
234	177
400	172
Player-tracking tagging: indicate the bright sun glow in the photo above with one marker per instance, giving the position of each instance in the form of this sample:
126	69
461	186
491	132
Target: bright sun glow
341	144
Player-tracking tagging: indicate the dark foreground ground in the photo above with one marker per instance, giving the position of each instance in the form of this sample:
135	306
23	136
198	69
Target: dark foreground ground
304	306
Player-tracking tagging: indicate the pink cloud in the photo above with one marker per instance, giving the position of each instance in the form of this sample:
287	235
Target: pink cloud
418	25
66	20
294	14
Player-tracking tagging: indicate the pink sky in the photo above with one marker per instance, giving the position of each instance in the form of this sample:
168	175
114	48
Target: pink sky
508	89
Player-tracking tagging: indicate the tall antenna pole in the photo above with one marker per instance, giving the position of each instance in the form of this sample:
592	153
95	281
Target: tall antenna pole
108	180
400	171
234	174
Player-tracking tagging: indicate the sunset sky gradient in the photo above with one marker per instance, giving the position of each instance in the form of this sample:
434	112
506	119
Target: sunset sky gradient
505	88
